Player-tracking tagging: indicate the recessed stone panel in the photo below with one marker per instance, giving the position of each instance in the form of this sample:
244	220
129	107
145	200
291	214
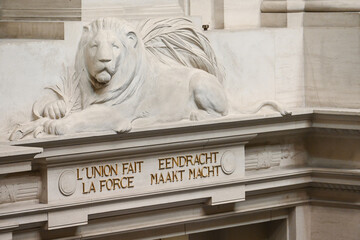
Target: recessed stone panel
131	176
32	30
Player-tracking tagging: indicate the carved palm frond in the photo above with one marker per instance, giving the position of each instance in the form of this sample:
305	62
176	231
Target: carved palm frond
177	41
68	90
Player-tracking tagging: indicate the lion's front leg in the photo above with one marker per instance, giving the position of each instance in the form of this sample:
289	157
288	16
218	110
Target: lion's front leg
56	126
93	119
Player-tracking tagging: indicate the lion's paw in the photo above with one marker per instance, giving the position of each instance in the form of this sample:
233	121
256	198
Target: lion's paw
56	127
21	130
123	126
16	135
55	109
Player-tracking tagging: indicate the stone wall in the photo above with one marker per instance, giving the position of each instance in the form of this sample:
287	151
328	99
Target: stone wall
292	177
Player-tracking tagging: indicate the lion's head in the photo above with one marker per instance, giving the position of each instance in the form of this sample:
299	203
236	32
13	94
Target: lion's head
110	54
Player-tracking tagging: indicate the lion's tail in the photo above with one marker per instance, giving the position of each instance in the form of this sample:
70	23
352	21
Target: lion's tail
177	41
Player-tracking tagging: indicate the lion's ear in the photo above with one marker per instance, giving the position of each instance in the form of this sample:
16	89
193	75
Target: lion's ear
131	36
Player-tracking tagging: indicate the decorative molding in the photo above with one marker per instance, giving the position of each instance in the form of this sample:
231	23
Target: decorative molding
32	30
54	10
336	187
41	14
133	12
67	182
76	10
15	190
261	188
265	190
306	13
228	162
329	179
310	6
14	159
132	9
121	148
263	157
338	132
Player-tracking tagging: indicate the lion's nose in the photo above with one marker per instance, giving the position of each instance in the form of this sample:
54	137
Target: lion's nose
104	53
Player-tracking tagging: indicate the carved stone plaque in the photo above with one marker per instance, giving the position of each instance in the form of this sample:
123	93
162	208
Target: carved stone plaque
183	171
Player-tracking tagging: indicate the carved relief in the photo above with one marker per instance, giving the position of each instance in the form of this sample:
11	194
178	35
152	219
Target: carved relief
67	182
14	190
263	157
228	162
162	71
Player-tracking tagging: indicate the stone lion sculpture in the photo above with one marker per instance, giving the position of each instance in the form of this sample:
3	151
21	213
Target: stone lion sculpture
163	71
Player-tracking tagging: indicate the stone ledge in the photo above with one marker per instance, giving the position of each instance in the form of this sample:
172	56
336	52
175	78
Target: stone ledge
266	203
311	19
198	134
14	159
256	185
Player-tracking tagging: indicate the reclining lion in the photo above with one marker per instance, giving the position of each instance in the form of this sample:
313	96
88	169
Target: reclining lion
168	72
165	72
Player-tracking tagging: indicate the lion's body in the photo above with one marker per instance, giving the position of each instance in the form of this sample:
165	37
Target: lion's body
167	99
178	93
167	73
123	84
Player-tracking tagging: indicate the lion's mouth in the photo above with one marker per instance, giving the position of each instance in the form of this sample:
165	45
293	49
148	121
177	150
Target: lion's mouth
104	76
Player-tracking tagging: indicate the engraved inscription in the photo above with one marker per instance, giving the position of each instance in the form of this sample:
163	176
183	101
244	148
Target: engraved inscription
121	176
108	177
178	168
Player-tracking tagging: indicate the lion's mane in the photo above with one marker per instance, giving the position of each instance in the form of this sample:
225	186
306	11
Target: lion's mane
168	41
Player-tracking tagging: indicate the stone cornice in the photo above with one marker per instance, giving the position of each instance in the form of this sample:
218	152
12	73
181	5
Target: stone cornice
259	185
199	134
85	147
298	185
346	180
15	159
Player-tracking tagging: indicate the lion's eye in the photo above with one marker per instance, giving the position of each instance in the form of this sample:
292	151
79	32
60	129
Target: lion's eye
115	46
93	45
